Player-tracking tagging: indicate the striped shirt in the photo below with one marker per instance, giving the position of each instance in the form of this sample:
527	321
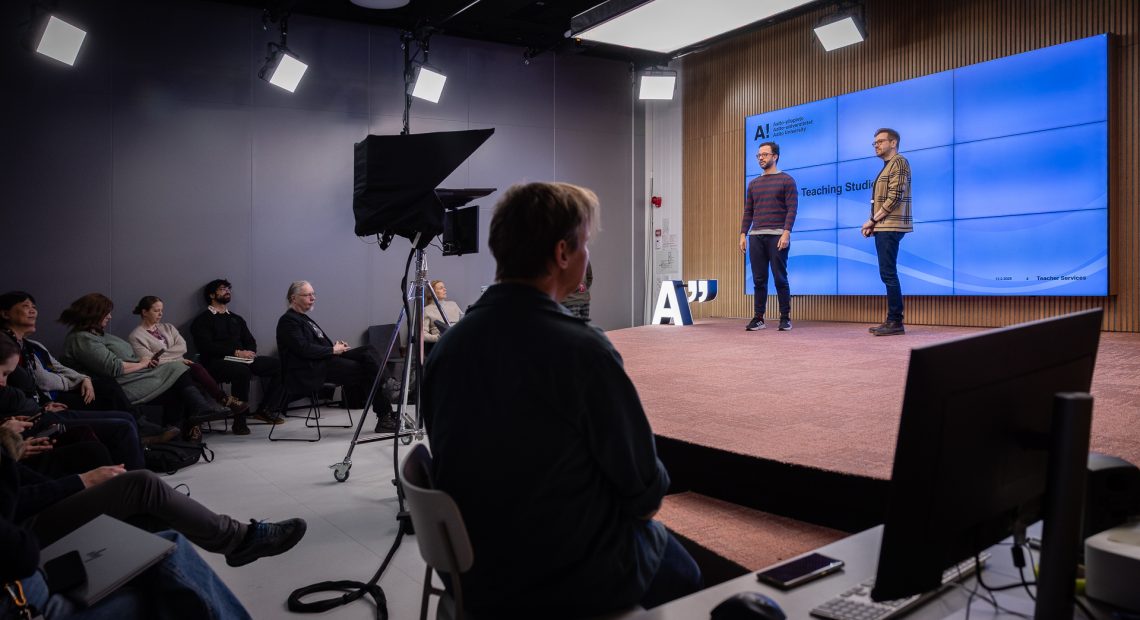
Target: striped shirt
770	203
892	195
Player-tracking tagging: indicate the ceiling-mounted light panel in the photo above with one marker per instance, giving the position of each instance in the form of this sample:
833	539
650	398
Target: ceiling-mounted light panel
665	26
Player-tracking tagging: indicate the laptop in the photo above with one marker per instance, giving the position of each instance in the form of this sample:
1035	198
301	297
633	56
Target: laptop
113	553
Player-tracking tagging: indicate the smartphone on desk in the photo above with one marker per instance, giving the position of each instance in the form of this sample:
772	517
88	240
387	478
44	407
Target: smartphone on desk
799	571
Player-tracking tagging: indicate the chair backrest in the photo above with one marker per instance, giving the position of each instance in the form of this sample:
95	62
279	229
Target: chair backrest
440	531
381	337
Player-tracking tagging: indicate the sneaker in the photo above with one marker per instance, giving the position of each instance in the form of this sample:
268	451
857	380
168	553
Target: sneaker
785	325
239	427
268	418
755	324
263	540
890	328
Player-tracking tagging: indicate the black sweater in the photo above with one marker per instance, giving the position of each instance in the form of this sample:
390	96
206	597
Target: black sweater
219	335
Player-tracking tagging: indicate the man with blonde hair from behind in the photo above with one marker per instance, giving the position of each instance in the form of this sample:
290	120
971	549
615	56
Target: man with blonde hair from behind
561	517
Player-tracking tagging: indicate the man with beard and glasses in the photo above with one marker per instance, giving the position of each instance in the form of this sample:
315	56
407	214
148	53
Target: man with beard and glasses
219	333
769	213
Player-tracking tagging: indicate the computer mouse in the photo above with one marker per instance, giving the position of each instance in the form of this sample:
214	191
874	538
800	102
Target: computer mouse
748	606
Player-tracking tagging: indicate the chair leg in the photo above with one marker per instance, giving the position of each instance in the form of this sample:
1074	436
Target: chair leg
426	595
314	414
342	402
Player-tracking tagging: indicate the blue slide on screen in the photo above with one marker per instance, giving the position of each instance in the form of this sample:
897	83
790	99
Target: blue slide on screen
1009	186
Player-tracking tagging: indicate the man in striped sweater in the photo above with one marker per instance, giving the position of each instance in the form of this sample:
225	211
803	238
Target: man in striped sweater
890	220
769	212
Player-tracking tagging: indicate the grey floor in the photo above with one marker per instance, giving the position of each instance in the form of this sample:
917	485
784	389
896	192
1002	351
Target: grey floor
351	524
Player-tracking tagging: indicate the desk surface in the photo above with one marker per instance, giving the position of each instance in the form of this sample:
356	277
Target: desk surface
860	552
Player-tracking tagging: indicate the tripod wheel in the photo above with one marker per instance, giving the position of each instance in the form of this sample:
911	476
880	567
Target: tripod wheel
340	471
406	438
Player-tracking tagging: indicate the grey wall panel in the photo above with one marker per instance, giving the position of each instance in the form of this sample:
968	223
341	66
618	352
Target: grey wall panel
514	154
302	219
173	50
592	94
602	162
180	214
386	74
507	91
56	201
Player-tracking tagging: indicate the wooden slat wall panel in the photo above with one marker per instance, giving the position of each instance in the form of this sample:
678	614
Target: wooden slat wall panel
782	65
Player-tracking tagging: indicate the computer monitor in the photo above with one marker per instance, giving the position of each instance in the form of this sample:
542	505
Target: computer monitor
972	460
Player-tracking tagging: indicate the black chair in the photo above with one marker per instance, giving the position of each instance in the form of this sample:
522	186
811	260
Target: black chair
313	414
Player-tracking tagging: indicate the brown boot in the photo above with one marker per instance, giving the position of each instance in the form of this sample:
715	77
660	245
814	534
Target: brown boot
235	405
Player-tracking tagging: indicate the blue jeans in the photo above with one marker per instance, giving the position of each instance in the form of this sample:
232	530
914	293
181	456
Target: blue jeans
181	586
677	576
762	254
117	430
887	247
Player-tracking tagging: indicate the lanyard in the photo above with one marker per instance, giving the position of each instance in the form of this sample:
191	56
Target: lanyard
15	591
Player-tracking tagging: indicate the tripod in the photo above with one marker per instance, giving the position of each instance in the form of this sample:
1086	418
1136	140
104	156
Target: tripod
409	427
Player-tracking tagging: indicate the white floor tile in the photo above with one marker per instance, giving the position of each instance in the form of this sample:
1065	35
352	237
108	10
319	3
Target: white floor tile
351	525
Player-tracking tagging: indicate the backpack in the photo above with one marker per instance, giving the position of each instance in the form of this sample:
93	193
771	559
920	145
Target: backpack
169	457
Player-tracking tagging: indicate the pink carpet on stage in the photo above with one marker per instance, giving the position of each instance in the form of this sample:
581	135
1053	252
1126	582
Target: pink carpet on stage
824	395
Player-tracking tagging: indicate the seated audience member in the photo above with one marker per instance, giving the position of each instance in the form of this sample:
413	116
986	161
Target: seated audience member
40	375
35	511
162	341
219	332
116	430
431	312
181	585
55	460
90	348
311	358
571	534
578	302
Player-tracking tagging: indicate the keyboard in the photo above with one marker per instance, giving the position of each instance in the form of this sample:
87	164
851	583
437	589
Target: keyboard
856	603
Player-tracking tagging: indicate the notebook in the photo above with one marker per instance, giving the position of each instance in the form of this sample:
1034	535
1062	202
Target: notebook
113	553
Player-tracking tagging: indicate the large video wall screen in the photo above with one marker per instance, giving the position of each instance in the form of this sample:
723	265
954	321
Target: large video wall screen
1009	160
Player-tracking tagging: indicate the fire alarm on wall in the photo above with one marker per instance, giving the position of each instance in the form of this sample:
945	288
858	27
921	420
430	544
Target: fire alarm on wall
655	201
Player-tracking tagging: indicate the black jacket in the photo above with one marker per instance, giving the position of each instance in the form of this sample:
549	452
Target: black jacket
305	352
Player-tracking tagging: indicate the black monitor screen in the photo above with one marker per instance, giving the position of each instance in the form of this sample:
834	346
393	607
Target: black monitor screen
972	452
461	231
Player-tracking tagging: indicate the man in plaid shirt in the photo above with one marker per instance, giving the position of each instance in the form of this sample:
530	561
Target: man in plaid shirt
890	220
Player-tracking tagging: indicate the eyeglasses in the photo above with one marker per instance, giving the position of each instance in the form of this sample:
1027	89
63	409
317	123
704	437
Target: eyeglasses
878	142
764	155
223	288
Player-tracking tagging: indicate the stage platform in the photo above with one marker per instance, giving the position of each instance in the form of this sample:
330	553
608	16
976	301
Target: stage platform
803	423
